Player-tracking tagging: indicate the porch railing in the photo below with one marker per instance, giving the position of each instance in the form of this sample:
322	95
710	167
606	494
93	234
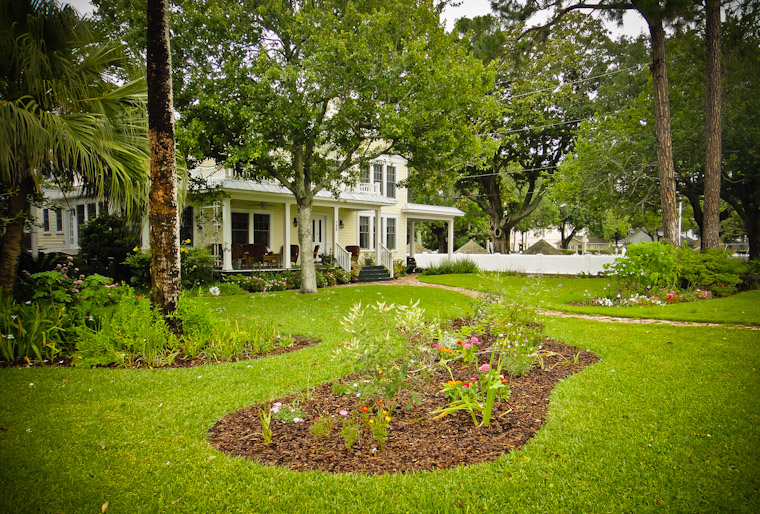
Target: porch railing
386	258
343	258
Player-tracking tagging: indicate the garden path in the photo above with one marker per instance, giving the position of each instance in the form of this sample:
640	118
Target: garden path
413	280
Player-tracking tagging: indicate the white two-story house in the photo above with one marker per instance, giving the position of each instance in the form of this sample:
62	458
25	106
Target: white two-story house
374	216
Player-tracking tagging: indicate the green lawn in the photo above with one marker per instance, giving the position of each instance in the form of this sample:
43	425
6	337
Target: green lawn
556	293
667	421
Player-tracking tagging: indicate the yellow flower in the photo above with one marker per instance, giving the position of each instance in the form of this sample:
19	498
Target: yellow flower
385	412
372	421
135	249
388	419
186	241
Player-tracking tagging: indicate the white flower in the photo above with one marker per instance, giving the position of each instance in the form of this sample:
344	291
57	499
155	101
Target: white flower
31	384
13	316
214	290
297	420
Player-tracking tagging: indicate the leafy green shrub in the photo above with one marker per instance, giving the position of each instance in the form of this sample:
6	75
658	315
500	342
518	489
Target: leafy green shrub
751	276
106	237
135	335
646	265
266	281
454	266
399	268
713	270
139	266
196	265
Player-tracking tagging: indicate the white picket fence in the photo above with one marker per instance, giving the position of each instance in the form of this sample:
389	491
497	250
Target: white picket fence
544	264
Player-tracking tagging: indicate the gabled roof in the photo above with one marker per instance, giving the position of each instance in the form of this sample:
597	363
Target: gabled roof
471	247
543	248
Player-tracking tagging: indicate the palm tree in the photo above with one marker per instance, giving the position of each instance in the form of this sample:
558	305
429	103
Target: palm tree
62	117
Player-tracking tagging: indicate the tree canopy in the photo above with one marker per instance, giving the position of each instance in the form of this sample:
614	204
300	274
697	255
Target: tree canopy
315	89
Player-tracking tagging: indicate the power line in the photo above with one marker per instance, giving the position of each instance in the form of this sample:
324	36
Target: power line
542	168
543	126
609	73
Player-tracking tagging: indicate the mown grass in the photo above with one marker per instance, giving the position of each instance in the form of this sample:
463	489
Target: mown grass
666	421
557	293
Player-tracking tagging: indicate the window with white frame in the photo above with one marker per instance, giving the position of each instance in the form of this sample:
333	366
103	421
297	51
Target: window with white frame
365	232
240	227
46	220
58	220
390	233
390	181
378	175
261	229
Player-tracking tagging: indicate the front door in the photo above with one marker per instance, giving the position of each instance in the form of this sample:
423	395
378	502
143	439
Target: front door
319	232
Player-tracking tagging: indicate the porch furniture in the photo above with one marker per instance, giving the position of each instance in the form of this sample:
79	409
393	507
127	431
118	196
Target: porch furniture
273	259
316	252
354	251
254	253
294	254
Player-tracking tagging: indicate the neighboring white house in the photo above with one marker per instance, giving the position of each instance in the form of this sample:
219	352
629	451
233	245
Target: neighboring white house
264	213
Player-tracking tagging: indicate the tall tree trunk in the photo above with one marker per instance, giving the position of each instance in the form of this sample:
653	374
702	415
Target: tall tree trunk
12	240
665	164
306	251
499	234
164	224
713	143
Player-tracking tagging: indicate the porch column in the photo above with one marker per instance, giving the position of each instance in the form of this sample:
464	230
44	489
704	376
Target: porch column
35	249
226	234
411	239
451	238
336	228
286	237
378	235
145	239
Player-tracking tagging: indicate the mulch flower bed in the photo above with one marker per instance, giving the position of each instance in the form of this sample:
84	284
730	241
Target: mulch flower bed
417	440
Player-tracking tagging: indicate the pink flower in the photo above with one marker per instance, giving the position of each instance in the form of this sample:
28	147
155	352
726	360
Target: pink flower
436	345
466	385
484	367
474	340
473	380
467	346
343	413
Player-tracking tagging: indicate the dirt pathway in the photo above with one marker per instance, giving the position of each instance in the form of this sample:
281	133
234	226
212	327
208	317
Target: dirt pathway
412	280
